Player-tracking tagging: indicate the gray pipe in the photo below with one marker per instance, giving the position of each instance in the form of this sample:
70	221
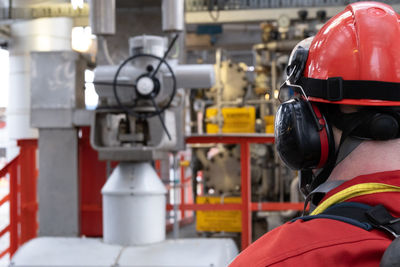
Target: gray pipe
102	17
294	197
172	15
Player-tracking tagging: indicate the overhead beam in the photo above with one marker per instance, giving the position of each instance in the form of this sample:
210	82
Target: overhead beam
258	15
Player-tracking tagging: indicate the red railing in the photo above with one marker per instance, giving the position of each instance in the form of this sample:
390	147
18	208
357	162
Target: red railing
184	216
186	195
22	174
246	206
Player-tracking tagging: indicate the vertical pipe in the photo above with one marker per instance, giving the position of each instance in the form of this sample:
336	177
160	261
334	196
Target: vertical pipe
246	193
9	9
102	16
28	185
14	208
175	229
173	15
182	188
274	76
218	64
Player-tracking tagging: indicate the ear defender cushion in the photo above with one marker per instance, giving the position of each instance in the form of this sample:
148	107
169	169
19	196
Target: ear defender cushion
299	143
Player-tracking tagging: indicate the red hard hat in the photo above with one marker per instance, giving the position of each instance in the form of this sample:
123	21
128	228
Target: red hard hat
356	55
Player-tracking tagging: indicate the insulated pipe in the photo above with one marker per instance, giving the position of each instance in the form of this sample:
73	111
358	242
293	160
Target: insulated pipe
195	76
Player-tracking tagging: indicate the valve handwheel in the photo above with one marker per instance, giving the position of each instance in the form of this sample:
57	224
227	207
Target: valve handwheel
147	87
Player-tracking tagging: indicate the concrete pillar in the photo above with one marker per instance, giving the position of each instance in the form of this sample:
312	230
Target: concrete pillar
58	184
44	34
58	181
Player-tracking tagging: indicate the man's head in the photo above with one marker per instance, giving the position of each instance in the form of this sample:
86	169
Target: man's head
353	60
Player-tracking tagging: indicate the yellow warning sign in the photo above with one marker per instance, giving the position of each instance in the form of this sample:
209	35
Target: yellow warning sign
219	220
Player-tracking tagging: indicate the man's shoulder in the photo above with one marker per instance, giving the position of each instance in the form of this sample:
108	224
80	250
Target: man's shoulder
306	240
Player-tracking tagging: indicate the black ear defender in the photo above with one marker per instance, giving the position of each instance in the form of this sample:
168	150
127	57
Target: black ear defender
300	142
303	137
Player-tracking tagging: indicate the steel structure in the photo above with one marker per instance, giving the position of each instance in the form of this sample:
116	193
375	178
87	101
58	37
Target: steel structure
260	14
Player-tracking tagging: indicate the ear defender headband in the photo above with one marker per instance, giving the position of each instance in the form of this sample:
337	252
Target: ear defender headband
379	124
295	69
303	133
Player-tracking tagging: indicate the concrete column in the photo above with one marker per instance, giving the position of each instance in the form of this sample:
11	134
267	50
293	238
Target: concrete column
58	149
58	183
45	34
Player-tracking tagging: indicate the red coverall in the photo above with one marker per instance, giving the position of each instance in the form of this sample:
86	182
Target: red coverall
326	242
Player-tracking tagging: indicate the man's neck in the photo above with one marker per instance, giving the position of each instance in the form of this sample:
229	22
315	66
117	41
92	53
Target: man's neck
369	157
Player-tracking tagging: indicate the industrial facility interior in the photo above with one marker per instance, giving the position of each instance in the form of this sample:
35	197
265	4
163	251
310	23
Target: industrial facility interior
141	132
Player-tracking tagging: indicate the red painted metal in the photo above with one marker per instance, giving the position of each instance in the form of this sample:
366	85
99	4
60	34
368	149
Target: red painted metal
27	187
23	175
5	230
182	178
230	139
4	199
246	205
207	207
14	239
5	252
157	167
260	206
5	170
245	193
93	175
277	206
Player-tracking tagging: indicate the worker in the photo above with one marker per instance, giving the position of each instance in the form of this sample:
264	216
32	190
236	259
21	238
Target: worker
341	130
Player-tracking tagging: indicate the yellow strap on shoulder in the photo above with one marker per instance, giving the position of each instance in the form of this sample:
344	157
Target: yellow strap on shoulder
355	191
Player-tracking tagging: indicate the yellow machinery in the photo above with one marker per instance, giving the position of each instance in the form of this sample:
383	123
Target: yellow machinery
235	120
269	123
218	220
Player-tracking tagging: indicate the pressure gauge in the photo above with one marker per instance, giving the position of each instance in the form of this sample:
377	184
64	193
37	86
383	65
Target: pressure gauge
284	21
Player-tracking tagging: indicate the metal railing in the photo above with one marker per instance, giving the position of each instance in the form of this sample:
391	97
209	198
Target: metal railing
22	174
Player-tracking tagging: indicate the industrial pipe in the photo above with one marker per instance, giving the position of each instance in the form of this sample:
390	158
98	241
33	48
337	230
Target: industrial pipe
102	17
172	15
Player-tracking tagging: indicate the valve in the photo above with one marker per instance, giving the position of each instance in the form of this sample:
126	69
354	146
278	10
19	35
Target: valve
147	87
